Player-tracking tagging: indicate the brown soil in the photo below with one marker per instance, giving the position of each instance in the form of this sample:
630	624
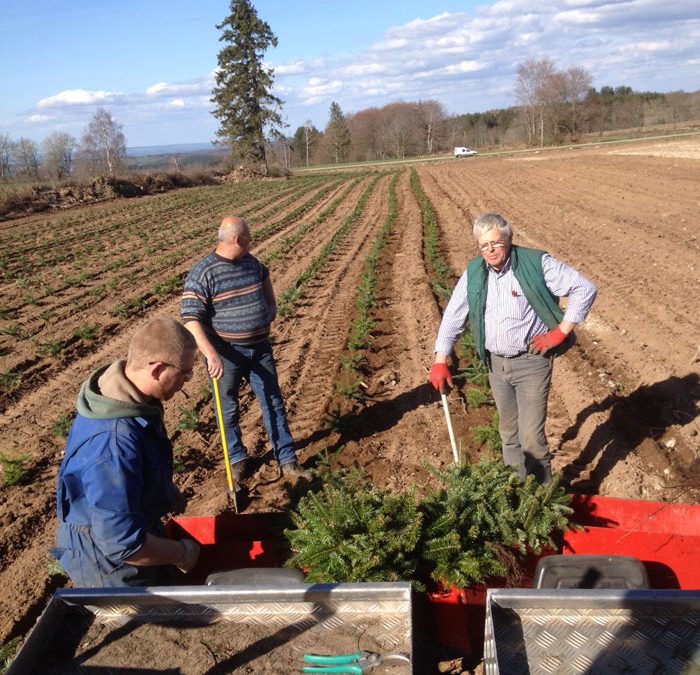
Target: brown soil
623	417
193	649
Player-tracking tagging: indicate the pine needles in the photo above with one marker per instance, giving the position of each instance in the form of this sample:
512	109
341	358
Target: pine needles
484	517
353	531
476	525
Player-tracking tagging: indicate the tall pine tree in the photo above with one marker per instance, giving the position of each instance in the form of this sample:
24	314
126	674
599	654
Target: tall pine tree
243	98
338	134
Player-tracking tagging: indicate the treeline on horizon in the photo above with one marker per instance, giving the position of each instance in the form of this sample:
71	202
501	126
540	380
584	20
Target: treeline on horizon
402	129
563	110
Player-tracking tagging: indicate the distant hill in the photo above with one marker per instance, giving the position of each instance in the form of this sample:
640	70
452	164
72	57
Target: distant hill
176	149
174	157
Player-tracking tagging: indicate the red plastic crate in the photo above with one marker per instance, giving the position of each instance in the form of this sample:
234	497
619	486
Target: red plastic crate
665	537
231	542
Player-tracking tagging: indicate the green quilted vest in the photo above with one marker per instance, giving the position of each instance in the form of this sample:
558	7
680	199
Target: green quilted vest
526	264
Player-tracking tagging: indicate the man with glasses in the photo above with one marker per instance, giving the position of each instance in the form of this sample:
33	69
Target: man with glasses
228	304
115	482
510	296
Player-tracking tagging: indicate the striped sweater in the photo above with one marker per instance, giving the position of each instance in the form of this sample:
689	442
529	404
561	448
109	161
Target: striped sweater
227	297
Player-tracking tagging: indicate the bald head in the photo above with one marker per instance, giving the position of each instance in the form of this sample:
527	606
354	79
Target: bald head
232	227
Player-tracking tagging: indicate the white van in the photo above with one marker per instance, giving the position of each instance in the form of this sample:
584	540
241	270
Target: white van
464	152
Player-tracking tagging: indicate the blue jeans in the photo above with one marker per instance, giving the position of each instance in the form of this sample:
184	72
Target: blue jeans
256	364
520	388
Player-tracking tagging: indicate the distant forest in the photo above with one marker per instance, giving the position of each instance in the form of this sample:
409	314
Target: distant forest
554	107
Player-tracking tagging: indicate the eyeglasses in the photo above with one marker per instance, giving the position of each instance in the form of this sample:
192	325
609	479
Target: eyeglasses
186	374
492	245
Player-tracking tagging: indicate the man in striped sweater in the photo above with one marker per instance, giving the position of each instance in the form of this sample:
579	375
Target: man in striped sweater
510	296
228	305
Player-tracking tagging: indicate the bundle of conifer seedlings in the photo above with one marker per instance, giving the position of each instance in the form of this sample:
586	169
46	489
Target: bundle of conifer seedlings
475	526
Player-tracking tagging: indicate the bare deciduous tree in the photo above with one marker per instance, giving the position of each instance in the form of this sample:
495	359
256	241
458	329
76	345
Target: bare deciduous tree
26	156
577	82
58	150
534	90
6	155
103	144
431	115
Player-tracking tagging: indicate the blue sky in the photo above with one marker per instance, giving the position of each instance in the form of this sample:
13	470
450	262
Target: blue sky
151	62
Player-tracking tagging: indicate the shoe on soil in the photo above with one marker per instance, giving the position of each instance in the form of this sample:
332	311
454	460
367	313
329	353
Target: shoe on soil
294	471
238	469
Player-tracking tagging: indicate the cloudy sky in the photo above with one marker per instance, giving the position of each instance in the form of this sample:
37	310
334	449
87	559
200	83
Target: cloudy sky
150	62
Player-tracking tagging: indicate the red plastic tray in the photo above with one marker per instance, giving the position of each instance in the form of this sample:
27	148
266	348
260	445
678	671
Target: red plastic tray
665	537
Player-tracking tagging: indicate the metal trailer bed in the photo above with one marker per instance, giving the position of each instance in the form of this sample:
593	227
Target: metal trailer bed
386	607
539	631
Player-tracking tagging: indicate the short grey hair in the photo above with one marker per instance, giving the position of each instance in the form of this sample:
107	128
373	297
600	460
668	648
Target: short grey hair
231	226
491	221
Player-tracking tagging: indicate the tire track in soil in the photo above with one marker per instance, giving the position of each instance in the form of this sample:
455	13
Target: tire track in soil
400	427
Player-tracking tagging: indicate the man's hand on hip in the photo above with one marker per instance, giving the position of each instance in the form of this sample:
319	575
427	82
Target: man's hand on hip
439	374
541	344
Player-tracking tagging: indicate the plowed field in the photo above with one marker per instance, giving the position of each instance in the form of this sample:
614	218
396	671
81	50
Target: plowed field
624	407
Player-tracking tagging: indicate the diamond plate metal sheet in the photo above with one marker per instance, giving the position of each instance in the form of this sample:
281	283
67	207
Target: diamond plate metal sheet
383	608
565	631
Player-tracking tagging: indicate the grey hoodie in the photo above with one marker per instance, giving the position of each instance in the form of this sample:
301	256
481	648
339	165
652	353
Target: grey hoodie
107	394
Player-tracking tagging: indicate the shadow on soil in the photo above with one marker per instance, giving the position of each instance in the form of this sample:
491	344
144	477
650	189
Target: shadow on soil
376	417
642	416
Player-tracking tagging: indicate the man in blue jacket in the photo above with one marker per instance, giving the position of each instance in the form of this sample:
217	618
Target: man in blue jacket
510	295
115	482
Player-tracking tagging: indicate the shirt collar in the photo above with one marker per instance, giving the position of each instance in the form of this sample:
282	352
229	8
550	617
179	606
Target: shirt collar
506	267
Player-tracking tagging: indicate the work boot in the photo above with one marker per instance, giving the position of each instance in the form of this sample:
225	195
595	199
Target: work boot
238	469
293	471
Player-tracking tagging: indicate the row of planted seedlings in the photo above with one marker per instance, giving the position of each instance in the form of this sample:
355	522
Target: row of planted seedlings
295	292
123	253
11	378
86	260
288	242
359	341
178	239
172	285
474	373
79	225
115	230
141	301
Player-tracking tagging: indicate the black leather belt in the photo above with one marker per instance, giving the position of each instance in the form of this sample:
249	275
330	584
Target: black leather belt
514	356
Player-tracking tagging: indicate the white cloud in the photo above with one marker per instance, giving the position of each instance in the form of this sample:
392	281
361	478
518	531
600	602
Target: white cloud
391	45
363	69
188	88
294	68
40	119
464	67
177	103
77	97
576	17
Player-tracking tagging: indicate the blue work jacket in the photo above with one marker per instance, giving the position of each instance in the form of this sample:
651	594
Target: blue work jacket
114	486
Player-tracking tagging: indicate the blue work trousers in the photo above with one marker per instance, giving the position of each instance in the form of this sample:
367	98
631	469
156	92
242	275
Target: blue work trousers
520	388
256	364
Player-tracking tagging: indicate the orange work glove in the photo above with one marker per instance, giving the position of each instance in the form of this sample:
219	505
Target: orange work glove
541	344
439	374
